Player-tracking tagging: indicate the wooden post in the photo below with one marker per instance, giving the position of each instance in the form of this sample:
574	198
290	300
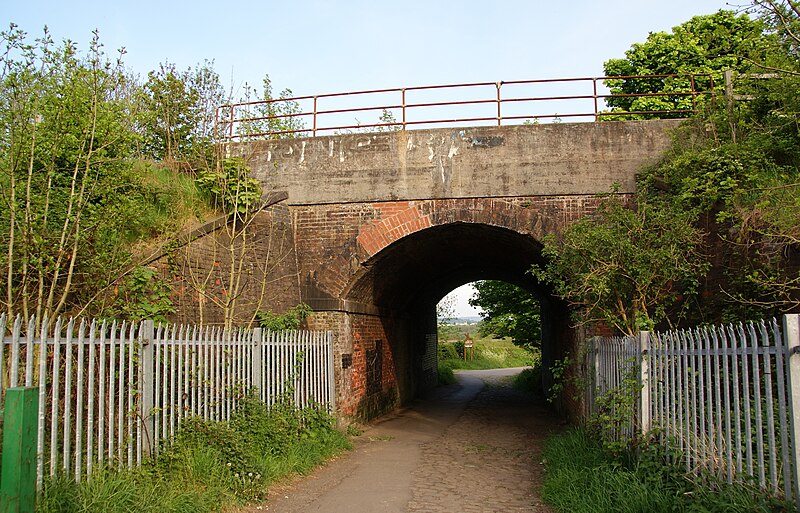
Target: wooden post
18	486
468	346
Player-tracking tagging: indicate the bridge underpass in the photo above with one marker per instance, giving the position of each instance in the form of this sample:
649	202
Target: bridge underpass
409	277
383	225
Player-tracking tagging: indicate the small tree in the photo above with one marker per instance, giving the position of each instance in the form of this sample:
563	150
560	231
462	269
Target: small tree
624	266
508	311
705	44
445	313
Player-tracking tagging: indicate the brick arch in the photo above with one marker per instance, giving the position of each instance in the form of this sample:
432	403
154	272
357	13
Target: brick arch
532	216
336	243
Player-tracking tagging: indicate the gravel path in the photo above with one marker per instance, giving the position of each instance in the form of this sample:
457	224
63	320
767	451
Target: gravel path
469	448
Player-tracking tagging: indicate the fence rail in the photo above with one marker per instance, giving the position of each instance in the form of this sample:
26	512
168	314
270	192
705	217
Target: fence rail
582	98
726	397
110	393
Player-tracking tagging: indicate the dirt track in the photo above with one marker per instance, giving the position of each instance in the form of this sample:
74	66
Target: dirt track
472	447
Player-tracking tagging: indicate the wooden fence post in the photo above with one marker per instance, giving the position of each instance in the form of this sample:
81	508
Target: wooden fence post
18	486
146	339
644	393
791	333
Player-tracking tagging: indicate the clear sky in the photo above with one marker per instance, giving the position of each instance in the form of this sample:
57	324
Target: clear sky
316	46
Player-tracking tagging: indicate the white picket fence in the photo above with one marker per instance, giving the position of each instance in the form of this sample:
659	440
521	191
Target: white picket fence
110	393
726	397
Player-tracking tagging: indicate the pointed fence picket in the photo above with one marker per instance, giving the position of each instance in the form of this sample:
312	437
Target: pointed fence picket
727	398
111	393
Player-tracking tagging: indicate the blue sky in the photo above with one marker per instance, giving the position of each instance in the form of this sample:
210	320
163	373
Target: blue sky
314	46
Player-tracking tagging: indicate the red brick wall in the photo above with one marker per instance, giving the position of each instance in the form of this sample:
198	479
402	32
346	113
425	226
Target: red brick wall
364	366
333	240
265	271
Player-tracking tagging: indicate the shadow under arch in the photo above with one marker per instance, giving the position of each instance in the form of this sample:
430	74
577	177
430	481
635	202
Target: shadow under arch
406	280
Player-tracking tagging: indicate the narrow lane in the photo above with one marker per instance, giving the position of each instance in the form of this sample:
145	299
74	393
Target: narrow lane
470	447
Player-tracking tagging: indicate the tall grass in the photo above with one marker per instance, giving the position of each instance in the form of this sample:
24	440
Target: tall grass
171	200
582	477
487	353
209	465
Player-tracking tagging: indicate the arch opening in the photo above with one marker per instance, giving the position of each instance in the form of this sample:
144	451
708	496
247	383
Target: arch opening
406	280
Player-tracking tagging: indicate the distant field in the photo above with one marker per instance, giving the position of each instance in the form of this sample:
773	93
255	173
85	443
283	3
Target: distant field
487	353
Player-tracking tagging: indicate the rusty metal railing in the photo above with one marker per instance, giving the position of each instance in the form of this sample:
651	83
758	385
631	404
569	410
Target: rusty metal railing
291	116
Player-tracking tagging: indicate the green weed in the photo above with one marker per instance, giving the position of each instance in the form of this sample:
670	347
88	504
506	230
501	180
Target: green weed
583	477
487	353
209	465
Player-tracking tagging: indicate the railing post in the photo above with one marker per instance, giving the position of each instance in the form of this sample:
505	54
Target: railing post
728	76
403	101
591	371
147	346
644	369
230	131
499	117
314	118
594	95
791	334
257	346
18	486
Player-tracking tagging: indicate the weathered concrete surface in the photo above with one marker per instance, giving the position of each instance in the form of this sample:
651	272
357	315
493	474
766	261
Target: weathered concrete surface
486	162
466	448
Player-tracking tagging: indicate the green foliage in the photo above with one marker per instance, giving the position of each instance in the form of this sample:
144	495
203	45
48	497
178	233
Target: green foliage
445	314
68	194
616	413
737	169
209	466
530	380
559	371
144	295
705	44
388	118
231	187
624	266
291	320
486	354
582	477
508	311
75	202
273	115
177	116
445	375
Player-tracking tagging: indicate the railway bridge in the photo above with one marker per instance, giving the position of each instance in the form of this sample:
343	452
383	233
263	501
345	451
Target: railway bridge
384	224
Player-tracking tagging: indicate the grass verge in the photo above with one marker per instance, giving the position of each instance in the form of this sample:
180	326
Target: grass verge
582	477
209	466
487	353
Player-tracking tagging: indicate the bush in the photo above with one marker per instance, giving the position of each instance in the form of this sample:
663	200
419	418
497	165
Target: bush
446	376
209	464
